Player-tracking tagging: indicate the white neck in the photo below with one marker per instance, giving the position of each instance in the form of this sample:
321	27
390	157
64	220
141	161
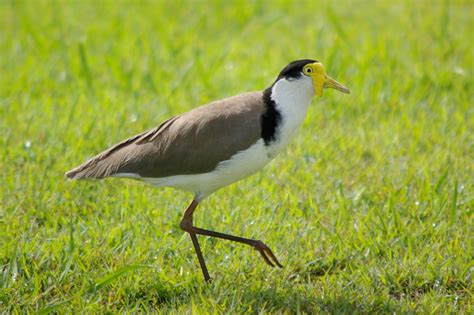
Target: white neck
292	99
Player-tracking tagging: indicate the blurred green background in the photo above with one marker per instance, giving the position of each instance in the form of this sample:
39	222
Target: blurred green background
369	208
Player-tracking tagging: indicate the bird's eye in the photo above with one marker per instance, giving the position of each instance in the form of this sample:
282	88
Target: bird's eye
308	70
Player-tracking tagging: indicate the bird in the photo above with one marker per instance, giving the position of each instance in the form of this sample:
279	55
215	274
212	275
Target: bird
214	145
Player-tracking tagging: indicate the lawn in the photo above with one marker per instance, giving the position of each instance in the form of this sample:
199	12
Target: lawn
370	208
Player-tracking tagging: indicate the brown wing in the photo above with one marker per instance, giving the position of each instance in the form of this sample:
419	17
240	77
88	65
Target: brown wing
191	143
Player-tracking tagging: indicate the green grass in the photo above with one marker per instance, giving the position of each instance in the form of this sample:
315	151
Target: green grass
369	208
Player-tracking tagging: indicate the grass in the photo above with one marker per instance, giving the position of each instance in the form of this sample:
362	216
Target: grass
369	208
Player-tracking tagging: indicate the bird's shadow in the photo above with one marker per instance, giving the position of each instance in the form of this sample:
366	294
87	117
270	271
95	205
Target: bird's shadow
293	297
286	299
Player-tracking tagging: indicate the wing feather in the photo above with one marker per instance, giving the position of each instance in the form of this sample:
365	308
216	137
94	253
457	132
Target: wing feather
192	143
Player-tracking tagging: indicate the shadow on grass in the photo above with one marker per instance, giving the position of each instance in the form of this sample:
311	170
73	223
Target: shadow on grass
281	299
156	296
278	300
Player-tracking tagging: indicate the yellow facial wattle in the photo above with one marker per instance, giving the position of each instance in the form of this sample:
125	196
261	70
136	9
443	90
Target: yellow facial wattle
321	80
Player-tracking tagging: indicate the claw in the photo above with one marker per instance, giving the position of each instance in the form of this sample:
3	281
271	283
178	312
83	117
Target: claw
264	250
268	261
269	252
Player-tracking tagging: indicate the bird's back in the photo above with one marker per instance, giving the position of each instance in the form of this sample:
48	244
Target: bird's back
191	143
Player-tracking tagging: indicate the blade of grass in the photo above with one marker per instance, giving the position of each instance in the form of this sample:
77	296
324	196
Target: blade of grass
108	279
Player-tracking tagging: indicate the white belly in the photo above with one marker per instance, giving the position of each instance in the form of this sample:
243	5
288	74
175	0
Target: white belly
239	166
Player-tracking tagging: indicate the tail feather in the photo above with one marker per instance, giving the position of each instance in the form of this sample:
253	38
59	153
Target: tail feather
111	161
104	164
88	169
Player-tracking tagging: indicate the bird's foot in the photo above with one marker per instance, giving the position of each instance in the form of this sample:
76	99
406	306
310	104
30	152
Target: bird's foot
266	254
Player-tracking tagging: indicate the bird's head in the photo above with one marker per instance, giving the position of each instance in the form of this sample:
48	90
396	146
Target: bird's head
311	71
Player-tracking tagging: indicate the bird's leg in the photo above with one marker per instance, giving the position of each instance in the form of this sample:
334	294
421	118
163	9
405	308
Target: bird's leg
262	248
188	220
187	225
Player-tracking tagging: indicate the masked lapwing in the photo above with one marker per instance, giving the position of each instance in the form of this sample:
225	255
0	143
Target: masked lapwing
217	144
